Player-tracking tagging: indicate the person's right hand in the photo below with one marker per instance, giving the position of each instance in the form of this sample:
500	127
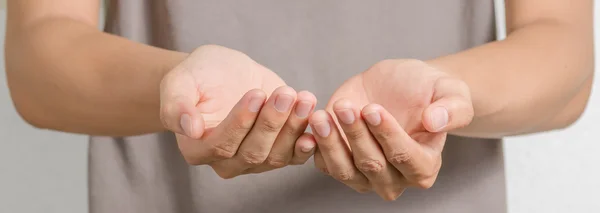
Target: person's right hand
198	103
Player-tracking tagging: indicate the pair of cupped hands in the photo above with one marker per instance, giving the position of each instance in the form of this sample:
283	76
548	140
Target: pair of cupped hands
383	130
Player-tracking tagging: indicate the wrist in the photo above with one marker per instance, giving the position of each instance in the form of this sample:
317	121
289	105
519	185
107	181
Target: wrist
486	100
447	67
172	59
490	97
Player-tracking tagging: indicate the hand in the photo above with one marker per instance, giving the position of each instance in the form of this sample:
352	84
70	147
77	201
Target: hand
198	103
390	150
201	90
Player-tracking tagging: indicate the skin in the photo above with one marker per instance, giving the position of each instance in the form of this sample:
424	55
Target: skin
396	143
234	134
384	129
64	74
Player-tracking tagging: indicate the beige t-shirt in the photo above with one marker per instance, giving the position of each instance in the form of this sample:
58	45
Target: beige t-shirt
313	45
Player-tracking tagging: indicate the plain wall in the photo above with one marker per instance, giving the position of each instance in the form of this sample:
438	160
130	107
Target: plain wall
44	171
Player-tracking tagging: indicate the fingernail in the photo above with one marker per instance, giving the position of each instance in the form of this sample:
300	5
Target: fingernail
303	109
283	102
373	117
439	118
186	124
346	116
307	148
323	128
256	103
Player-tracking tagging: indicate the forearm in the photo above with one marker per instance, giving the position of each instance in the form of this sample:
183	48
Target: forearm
68	76
538	79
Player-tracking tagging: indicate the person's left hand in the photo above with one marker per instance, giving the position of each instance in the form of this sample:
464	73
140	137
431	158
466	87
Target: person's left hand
397	142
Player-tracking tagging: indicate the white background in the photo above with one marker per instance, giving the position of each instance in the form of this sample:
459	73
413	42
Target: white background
43	171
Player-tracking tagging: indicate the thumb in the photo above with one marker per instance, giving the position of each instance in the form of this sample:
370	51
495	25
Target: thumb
451	107
178	100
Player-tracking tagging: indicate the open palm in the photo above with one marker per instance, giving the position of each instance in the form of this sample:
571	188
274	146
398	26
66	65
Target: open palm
394	120
213	79
217	102
405	88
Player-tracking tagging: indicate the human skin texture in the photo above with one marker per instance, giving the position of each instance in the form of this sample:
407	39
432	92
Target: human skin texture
384	129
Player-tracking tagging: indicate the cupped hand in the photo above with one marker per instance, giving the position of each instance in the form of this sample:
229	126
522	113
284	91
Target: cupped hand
200	91
216	102
386	127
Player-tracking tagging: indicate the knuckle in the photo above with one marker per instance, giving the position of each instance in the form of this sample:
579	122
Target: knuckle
232	137
370	166
425	183
354	134
242	125
223	151
277	161
289	129
226	176
191	160
400	157
268	126
390	195
222	173
422	179
343	175
235	133
384	135
252	158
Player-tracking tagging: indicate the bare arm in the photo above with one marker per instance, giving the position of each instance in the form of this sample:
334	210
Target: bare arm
537	79
64	74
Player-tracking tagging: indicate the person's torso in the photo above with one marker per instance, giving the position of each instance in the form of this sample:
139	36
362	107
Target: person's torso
313	45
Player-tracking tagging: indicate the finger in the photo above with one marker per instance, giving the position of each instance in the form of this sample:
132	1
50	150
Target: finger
283	149
258	142
368	156
451	107
320	162
393	192
400	149
336	154
304	148
223	141
178	99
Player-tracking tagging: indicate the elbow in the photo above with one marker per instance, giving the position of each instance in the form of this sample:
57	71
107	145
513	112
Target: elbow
29	89
20	84
574	110
30	107
32	119
29	110
570	118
